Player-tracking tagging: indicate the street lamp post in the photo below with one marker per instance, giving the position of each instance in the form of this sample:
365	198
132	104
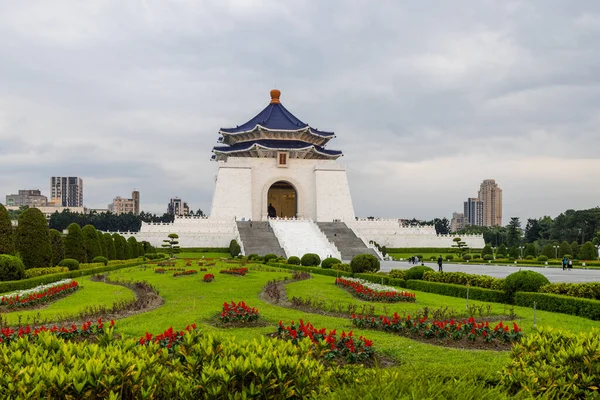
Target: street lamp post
598	250
521	247
494	250
555	251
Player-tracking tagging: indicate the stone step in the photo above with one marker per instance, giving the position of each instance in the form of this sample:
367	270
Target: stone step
345	240
258	238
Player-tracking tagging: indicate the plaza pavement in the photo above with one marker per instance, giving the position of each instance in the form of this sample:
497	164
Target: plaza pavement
497	271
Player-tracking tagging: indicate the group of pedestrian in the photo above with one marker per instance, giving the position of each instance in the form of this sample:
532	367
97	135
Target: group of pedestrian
413	260
567	263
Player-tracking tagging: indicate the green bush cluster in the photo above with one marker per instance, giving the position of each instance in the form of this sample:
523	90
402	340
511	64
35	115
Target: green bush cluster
542	258
205	367
342	267
555	364
70	263
448	289
310	260
100	259
33	239
269	257
462	278
234	248
33	272
580	307
7	240
524	281
417	272
398	273
466	257
364	263
488	257
330	262
11	268
450	257
588	290
293	260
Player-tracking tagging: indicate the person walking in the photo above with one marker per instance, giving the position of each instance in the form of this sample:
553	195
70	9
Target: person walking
564	263
570	264
440	260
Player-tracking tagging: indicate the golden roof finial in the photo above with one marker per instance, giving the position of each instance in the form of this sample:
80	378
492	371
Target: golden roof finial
275	96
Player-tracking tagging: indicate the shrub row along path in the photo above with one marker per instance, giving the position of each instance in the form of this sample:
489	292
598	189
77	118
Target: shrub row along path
497	271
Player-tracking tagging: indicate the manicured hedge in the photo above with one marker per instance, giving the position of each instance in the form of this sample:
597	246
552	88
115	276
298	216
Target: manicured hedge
447	289
204	250
9	286
585	308
420	250
313	270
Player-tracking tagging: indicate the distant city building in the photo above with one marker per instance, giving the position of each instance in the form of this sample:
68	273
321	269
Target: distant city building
49	210
66	191
473	211
491	196
124	206
31	198
177	207
457	222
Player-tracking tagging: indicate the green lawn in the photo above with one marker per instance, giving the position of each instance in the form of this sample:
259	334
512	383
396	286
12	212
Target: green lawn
202	255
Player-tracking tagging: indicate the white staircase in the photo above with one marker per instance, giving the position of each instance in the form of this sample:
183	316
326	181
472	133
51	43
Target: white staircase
301	236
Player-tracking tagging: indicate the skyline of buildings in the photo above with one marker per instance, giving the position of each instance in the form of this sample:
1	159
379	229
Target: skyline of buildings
66	191
177	206
27	197
122	205
483	210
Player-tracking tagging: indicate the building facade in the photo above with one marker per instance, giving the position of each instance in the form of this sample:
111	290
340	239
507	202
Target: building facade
457	222
491	196
122	205
473	212
66	191
177	207
31	198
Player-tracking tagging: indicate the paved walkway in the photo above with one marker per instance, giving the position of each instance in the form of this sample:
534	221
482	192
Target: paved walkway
497	271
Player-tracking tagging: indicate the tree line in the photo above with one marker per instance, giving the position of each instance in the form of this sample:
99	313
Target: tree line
38	246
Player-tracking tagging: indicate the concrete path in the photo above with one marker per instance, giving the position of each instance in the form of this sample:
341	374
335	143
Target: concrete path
553	274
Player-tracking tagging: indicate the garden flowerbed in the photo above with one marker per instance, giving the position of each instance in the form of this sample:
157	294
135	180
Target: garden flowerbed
235	271
38	295
164	270
238	315
463	334
185	273
168	339
209	278
374	292
72	332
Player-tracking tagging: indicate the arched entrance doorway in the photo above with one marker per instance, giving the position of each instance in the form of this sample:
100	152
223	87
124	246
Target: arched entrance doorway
282	200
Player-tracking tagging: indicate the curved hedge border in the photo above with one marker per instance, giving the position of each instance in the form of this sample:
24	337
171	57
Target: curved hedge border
9	286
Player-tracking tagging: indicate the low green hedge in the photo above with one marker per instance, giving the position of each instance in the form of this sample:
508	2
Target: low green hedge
421	250
448	289
580	307
10	286
204	250
312	270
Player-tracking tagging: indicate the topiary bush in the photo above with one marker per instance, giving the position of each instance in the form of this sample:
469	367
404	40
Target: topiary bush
253	257
542	258
269	257
70	263
364	263
100	259
342	267
417	272
466	257
329	262
33	239
293	260
476	257
234	248
7	240
450	257
11	268
398	274
529	257
310	260
488	257
524	281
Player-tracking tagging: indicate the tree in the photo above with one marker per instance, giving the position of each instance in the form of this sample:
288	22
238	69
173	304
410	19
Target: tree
234	248
442	226
487	249
128	250
171	244
514	232
134	247
110	246
548	251
103	248
33	239
564	249
90	242
74	247
148	248
575	249
58	248
532	230
120	243
140	247
502	251
588	252
530	250
460	246
7	239
513	252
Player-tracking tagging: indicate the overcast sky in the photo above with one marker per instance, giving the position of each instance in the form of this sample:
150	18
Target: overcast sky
427	99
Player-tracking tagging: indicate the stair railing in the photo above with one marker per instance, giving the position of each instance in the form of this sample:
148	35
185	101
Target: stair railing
366	243
238	239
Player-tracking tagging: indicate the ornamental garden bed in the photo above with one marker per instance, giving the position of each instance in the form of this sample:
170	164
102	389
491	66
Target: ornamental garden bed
235	271
370	291
88	331
185	273
208	278
164	270
462	334
239	315
38	296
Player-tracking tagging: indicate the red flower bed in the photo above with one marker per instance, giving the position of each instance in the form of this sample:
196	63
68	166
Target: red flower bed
440	329
163	270
365	293
203	269
239	312
40	297
8	335
345	346
235	271
168	338
184	273
209	277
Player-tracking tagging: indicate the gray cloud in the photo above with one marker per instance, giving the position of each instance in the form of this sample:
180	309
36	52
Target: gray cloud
427	99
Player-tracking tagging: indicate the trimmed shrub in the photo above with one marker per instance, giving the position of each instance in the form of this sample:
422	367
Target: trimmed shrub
33	239
462	278
416	272
542	258
102	242
529	257
575	249
450	257
530	250
11	268
70	263
310	260
74	244
501	252
33	272
58	248
588	252
585	308
90	242
564	249
293	260
447	289
364	263
100	259
269	257
398	274
329	262
548	251
588	290
120	244
253	257
488	257
132	241
524	281
7	239
476	257
234	248
110	246
342	267
466	257
487	250
513	252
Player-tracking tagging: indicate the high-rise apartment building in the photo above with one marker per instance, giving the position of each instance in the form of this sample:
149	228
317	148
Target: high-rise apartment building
491	196
121	205
66	191
473	211
30	198
177	207
457	222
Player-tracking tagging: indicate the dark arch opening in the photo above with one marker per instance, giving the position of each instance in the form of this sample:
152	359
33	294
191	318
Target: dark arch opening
282	200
